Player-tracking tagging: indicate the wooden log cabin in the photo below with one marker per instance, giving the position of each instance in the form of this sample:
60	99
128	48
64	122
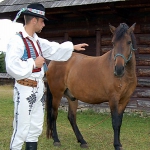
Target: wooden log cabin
88	21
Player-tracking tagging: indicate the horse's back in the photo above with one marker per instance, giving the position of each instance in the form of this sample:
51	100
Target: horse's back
75	61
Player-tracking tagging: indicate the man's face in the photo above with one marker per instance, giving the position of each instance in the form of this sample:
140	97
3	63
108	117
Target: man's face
39	25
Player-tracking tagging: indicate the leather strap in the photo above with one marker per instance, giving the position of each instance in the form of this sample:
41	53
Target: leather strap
27	82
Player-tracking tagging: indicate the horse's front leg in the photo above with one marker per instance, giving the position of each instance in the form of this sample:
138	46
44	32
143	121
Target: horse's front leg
116	123
72	118
117	115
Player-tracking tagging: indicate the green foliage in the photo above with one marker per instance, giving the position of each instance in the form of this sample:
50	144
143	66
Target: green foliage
2	62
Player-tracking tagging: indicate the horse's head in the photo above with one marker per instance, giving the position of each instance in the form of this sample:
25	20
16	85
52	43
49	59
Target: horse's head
123	44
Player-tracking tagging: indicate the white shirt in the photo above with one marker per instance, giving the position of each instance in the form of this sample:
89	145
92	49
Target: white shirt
23	69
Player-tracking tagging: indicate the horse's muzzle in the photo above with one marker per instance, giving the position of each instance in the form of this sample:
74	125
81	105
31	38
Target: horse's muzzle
119	71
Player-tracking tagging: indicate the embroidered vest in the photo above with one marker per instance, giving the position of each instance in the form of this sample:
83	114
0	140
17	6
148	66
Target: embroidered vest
31	52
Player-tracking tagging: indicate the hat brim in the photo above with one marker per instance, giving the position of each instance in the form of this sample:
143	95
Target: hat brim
34	14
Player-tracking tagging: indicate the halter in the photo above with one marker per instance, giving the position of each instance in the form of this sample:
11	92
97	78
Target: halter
130	56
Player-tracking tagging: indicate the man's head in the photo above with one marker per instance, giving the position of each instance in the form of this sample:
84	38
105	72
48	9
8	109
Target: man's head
34	16
35	23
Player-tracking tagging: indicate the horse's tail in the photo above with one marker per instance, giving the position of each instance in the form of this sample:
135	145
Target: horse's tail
49	110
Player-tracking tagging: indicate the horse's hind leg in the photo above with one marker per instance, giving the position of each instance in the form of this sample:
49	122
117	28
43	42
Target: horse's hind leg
72	118
56	102
53	102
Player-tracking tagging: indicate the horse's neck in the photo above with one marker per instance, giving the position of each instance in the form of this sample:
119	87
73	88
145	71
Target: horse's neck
108	55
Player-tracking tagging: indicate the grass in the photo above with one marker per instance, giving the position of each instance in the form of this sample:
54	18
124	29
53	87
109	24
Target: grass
95	128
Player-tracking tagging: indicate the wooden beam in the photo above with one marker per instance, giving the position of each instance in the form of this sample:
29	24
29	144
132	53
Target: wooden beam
98	43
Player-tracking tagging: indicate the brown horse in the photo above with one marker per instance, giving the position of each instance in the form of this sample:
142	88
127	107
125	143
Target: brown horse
108	78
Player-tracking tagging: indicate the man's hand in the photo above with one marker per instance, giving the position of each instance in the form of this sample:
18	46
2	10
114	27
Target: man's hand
80	47
39	61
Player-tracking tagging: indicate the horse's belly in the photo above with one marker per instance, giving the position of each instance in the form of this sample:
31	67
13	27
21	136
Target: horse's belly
89	95
93	100
87	87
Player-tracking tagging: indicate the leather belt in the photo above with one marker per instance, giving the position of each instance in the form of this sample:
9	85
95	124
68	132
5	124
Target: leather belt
27	82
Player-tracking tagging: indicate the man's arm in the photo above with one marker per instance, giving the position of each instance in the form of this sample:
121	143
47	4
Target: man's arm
59	52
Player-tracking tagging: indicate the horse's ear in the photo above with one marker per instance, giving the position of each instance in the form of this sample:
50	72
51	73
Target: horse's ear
112	28
131	29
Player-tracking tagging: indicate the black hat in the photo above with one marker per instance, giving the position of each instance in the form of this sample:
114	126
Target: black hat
34	9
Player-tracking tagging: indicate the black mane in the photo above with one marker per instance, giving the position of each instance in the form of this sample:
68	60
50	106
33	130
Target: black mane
121	30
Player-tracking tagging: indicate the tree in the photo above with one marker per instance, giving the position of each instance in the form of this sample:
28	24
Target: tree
2	62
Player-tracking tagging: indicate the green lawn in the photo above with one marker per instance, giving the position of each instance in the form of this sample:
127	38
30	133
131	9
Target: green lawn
96	129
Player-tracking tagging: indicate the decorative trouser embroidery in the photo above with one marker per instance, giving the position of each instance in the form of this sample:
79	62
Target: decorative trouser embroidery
43	102
31	99
16	114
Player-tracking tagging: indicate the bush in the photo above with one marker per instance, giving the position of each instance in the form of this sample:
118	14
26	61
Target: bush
2	62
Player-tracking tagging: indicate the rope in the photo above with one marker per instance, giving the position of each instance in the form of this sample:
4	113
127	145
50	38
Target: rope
100	122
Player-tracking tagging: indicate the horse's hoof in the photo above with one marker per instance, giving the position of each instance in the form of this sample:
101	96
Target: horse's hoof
57	144
84	145
119	148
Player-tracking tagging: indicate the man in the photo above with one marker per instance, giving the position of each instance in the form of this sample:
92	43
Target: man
25	62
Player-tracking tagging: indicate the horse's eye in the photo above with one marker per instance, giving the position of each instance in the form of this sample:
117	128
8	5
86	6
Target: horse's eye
129	42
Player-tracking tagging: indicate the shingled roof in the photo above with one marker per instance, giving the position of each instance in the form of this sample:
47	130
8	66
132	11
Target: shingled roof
13	5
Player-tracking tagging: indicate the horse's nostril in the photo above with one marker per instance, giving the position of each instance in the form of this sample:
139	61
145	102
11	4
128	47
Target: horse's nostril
119	70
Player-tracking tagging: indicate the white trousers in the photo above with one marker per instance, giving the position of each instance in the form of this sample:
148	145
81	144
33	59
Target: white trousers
29	105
